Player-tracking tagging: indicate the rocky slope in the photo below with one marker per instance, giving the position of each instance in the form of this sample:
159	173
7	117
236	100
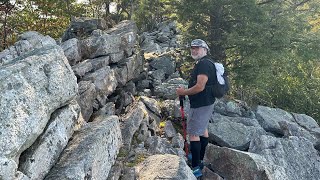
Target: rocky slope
102	105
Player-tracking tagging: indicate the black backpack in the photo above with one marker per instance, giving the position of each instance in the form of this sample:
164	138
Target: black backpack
219	90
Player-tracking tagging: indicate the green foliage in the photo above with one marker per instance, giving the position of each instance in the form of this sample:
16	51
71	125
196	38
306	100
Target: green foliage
269	47
148	13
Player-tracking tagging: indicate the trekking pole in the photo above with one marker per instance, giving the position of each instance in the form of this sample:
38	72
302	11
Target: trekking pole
184	126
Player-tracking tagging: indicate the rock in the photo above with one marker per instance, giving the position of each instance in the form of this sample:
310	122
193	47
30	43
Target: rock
30	90
234	164
165	63
270	117
72	51
44	153
292	154
27	42
234	132
175	168
132	121
81	27
91	152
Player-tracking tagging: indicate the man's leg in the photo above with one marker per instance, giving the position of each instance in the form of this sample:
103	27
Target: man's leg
204	142
195	149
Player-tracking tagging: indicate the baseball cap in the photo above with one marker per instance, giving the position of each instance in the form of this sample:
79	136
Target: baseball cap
199	43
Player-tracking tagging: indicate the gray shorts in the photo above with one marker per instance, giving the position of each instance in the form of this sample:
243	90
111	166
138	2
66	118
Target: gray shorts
198	120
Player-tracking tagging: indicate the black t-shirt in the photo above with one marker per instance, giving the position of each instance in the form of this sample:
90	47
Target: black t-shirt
205	97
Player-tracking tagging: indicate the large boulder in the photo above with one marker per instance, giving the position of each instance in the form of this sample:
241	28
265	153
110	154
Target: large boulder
238	165
91	152
234	132
164	167
269	119
295	154
26	43
31	89
37	160
82	27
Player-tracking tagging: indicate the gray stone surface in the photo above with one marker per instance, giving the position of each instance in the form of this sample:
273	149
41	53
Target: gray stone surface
175	168
43	154
296	155
91	152
30	90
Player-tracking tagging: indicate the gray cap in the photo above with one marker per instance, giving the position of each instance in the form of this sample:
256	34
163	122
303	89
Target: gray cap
199	43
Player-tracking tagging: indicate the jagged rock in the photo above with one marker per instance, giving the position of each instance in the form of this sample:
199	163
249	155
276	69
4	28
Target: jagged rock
158	145
8	168
234	132
296	155
87	95
292	129
91	152
171	108
209	175
31	89
37	160
103	45
145	92
132	121
124	27
165	63
130	69
121	75
21	176
116	57
151	104
178	141
169	130
166	90
167	108
269	118
234	164
153	168
103	79
158	74
81	27
107	109
134	65
90	65
27	42
115	172
131	88
148	45
143	132
72	51
144	84
307	123
129	173
234	109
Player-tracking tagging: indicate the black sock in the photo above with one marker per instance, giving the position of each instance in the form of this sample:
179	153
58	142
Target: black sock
195	151
204	143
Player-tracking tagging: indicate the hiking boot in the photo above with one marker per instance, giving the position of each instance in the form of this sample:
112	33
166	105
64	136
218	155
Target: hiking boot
197	172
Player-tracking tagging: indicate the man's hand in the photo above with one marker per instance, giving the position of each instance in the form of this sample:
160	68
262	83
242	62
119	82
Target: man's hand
180	91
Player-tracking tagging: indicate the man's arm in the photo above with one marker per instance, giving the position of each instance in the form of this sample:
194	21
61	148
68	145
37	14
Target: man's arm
201	83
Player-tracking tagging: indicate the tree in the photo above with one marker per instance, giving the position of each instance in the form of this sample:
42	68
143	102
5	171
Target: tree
6	7
267	45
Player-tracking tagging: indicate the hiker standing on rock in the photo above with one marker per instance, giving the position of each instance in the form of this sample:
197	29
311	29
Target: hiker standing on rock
201	102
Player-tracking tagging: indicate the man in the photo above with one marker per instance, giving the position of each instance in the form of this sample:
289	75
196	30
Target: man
201	102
